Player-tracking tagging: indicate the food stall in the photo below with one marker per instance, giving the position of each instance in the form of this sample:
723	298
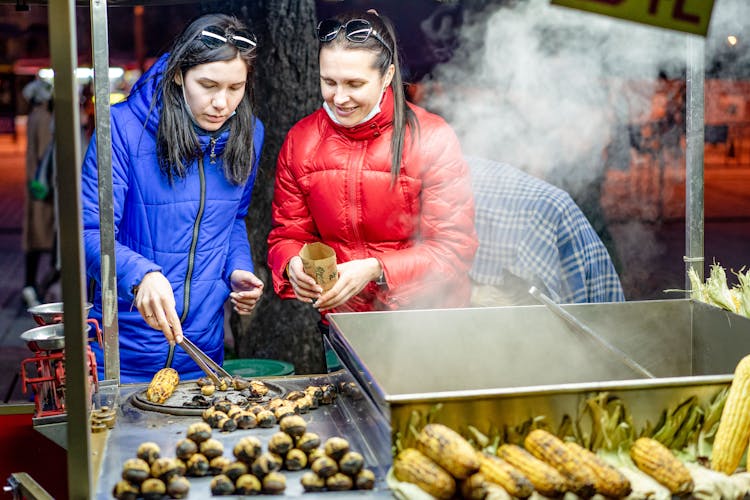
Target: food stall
399	368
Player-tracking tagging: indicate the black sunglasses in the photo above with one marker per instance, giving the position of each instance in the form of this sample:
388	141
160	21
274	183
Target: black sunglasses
356	30
215	37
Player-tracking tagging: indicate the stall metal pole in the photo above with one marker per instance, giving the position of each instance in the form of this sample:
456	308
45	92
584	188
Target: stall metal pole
64	50
694	179
100	49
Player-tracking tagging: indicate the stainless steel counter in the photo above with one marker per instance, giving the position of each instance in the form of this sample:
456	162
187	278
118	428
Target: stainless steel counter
350	416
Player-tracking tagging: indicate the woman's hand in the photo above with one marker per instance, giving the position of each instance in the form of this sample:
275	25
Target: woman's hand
155	301
246	291
304	286
353	277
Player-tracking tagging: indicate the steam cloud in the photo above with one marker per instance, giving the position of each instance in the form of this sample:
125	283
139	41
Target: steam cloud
548	88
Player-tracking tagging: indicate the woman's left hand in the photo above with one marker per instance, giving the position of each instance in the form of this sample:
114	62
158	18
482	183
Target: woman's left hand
353	277
246	291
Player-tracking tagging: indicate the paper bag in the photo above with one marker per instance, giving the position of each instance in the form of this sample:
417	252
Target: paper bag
319	261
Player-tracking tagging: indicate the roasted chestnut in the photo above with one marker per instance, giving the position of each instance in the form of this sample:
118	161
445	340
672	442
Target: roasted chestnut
216	417
295	395
199	432
135	470
247	484
266	419
280	443
233	470
275	403
203	381
312	482
153	489
315	454
303	405
227	424
365	480
339	482
233	410
284	410
222	485
329	394
265	463
148	451
223	405
180	466
246	420
211	448
125	490
247	449
308	441
325	466
197	465
208	390
351	463
274	483
259	388
185	448
164	468
294	425
295	459
240	383
178	487
217	464
335	447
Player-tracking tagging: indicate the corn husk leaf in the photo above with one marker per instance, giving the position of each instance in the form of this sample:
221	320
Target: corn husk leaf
697	288
718	290
743	290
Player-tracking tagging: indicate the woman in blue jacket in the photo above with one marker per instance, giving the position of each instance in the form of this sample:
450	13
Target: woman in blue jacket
185	150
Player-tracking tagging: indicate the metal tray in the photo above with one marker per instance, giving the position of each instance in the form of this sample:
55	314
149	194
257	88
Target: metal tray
495	367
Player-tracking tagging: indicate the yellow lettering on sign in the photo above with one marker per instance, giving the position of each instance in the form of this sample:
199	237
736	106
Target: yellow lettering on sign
691	16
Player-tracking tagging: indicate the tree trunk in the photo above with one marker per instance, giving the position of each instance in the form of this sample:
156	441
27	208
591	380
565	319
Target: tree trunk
286	89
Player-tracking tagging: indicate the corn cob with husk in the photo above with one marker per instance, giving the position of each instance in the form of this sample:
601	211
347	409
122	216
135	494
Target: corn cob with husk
733	434
412	466
162	385
545	478
448	449
549	448
607	479
656	460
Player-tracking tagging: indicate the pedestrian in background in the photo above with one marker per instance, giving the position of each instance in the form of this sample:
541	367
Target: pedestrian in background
381	181
39	226
186	147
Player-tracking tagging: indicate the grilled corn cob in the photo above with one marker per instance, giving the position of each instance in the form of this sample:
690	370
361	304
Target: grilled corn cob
545	478
551	449
608	480
733	433
474	487
498	471
162	385
412	466
448	449
657	461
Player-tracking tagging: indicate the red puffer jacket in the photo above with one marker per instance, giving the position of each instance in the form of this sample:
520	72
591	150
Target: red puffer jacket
333	184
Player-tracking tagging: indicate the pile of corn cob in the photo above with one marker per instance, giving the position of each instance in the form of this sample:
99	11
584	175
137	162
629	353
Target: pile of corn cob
659	462
716	291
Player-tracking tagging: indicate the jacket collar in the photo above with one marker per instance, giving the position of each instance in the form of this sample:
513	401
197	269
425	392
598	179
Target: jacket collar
373	127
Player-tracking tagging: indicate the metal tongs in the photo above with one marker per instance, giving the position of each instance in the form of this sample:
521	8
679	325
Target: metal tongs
208	365
588	332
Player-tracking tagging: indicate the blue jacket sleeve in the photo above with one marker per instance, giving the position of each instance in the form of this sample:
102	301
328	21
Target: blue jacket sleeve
130	266
239	255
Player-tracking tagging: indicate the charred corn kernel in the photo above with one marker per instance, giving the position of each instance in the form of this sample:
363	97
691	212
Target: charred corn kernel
733	433
448	449
656	460
162	385
609	481
498	471
546	479
412	466
551	449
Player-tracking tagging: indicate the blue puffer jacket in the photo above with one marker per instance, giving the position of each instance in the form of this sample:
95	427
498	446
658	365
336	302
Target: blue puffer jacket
193	231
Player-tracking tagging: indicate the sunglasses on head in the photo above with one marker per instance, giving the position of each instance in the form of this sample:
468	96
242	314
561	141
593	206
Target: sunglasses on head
215	37
356	30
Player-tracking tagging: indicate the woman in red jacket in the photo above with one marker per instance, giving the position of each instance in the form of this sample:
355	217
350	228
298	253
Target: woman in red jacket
380	180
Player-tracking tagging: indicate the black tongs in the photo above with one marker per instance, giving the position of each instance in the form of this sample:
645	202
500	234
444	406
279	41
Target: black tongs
208	365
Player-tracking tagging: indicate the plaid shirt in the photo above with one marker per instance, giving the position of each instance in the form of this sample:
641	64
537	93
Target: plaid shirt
535	231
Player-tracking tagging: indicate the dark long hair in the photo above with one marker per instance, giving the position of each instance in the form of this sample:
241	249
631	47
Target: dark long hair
177	141
403	116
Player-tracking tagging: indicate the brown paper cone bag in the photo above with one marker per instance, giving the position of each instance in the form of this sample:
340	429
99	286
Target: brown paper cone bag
319	261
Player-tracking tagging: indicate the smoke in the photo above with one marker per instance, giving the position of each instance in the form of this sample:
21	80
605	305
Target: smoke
547	88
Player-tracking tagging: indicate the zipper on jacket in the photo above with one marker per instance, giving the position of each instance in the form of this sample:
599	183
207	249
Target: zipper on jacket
212	155
194	242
